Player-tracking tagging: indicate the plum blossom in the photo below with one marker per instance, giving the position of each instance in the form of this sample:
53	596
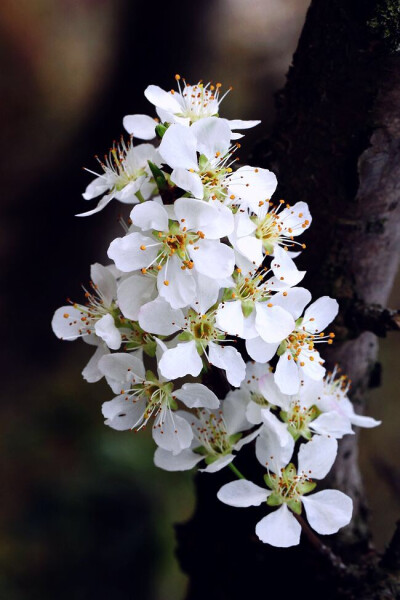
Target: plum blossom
141	395
186	106
327	511
199	336
261	233
127	176
216	436
254	308
298	357
332	396
175	249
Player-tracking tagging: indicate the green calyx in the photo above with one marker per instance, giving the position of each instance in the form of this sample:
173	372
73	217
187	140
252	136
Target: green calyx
298	419
288	487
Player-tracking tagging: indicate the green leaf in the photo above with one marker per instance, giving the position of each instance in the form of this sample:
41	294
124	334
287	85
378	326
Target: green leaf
161	128
159	177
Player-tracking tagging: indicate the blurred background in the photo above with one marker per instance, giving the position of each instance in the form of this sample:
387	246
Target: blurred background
83	511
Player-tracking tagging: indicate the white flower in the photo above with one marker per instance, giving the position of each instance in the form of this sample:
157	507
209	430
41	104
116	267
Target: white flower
199	336
261	233
96	318
333	397
216	436
251	308
327	511
301	412
298	357
186	106
127	176
175	248
142	396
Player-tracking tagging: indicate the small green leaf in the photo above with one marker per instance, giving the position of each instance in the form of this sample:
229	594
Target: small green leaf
161	128
159	177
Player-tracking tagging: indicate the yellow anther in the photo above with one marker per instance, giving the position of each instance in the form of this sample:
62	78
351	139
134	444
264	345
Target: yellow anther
143	247
166	282
66	315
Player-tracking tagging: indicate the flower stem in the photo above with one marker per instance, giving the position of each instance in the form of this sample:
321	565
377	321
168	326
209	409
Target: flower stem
238	474
315	541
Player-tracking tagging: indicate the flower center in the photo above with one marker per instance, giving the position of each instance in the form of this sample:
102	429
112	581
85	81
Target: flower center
298	419
288	487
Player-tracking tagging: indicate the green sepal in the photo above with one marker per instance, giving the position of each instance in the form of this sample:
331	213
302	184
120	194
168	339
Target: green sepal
203	162
247	307
235	438
168	387
150	349
306	487
274	499
173	404
295	506
306	434
290	471
299	321
284	416
185	336
228	294
295	433
270	481
282	348
269	248
200	450
151	377
159	177
161	128
210	459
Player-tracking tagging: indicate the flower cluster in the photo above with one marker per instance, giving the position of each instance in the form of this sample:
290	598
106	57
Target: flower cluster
207	258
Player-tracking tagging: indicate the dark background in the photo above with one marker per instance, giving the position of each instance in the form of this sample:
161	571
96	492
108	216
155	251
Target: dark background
83	511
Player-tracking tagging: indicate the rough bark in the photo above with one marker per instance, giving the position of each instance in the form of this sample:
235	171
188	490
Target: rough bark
336	145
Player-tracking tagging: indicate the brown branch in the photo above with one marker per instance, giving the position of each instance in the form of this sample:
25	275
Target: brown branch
391	558
334	560
372	317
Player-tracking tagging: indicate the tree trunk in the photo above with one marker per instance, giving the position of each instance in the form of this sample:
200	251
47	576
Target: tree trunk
335	145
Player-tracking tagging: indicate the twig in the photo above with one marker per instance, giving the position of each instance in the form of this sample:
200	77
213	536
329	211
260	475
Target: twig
374	318
315	541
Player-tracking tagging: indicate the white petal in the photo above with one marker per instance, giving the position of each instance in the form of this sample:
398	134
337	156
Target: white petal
160	318
273	323
140	126
150	215
311	368
181	288
213	135
122	367
362	421
197	215
127	251
105	328
239	124
122	413
230	318
180	361
293	300
218	464
252	185
173	434
188	181
242	493
229	359
285	269
333	424
234	409
104	281
67	323
133	292
184	461
322	311
197	395
96	187
178	148
271	392
273	448
287	376
101	204
213	259
328	511
251	248
317	456
260	350
290	218
91	372
280	528
162	99
206	294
